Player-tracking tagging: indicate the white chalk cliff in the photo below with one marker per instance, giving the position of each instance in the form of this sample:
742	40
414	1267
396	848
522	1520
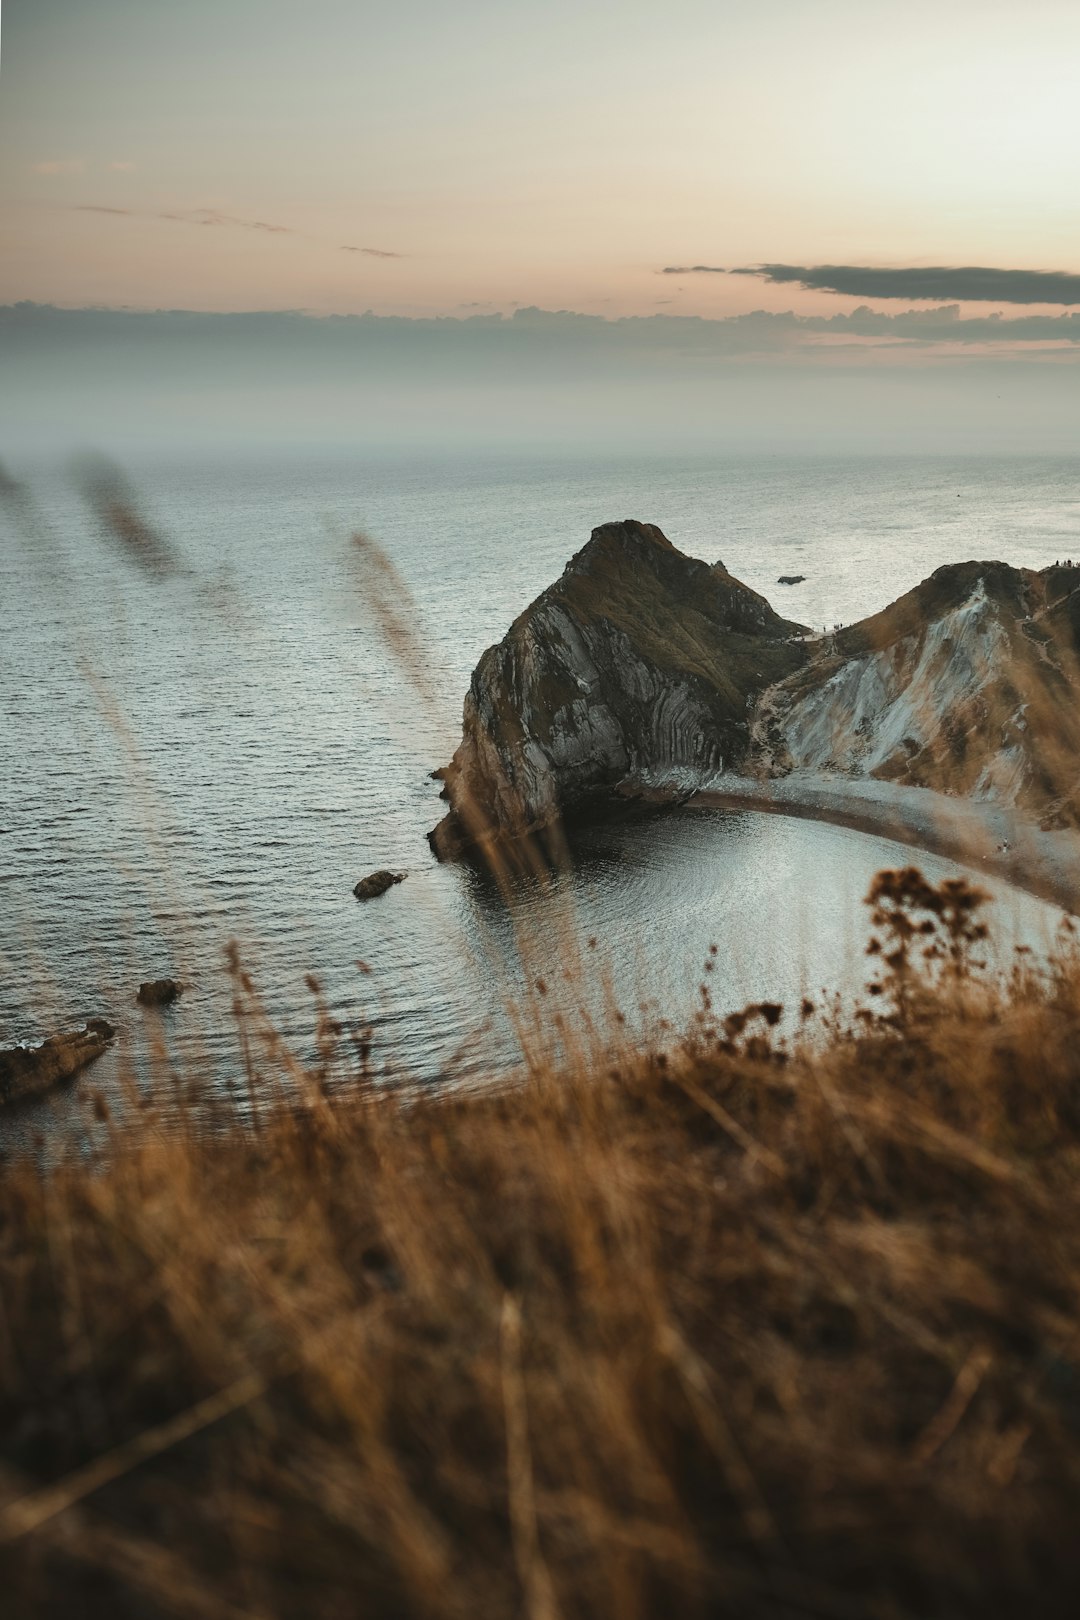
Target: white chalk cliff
968	684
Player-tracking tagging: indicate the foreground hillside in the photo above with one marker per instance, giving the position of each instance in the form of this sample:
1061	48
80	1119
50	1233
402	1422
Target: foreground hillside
737	1329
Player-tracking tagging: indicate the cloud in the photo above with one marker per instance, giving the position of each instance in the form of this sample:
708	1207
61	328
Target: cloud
213	216
969	284
863	333
189	216
122	168
693	270
927	327
59	166
372	253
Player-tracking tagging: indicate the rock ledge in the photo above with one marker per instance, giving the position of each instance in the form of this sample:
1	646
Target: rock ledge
27	1071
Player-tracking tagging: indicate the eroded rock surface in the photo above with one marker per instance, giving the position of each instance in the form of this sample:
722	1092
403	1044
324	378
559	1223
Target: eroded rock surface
967	684
158	992
639	663
643	668
26	1071
377	883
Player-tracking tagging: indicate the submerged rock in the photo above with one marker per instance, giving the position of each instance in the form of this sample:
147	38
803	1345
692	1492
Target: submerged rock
26	1071
643	669
377	883
158	992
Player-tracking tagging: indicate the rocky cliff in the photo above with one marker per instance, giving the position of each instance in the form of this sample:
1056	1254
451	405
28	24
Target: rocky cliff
967	684
638	664
644	667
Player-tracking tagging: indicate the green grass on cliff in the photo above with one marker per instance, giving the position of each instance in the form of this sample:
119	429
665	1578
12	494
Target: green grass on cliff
742	1328
678	636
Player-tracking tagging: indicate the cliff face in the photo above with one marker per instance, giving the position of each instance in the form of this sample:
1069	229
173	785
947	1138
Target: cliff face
642	666
967	684
639	663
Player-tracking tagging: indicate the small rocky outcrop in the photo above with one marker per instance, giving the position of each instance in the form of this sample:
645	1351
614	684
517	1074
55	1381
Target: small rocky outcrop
158	992
642	670
376	883
27	1071
791	579
640	664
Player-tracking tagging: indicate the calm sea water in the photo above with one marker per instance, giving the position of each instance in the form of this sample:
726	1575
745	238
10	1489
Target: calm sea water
221	754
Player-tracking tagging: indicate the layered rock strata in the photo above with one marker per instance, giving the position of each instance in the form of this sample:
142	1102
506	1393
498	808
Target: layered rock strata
642	668
638	663
967	684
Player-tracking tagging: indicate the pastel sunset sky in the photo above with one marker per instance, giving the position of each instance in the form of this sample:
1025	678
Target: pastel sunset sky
822	223
426	158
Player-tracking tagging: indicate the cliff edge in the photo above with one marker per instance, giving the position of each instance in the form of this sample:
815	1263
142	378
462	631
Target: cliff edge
638	664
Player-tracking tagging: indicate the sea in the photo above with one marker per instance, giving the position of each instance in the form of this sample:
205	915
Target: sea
211	756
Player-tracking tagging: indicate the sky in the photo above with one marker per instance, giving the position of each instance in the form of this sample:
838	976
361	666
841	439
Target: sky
559	153
897	183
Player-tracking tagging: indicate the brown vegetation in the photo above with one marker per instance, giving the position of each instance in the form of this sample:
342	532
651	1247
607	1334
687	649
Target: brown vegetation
749	1327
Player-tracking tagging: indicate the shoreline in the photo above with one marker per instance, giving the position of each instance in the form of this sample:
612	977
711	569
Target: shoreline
971	832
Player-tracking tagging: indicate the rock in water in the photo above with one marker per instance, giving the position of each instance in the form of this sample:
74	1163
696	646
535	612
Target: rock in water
377	883
26	1071
642	667
640	662
791	579
158	992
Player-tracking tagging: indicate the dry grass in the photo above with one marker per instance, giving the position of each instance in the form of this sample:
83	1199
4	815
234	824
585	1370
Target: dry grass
738	1329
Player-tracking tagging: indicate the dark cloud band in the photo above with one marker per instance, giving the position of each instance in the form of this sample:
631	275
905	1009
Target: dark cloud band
540	332
968	284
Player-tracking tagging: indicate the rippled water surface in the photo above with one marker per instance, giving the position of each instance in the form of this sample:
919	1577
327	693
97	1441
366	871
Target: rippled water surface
222	753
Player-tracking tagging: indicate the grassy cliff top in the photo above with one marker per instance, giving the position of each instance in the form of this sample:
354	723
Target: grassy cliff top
682	615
